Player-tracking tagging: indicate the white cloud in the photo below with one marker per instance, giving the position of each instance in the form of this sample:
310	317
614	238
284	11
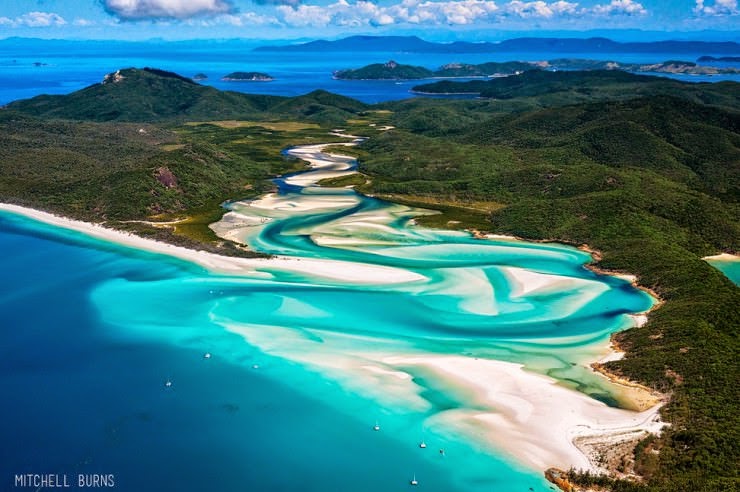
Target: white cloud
444	12
166	9
83	22
719	7
34	19
238	20
620	7
529	9
343	13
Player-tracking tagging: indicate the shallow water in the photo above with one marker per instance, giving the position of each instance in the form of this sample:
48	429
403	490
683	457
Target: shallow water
730	266
301	364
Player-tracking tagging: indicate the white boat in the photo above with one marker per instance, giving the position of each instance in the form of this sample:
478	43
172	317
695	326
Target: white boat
413	480
422	444
168	383
207	355
376	427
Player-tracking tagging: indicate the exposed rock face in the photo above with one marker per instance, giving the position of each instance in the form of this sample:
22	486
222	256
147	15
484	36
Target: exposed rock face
113	78
166	178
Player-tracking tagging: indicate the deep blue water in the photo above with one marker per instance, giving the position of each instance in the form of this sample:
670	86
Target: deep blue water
71	68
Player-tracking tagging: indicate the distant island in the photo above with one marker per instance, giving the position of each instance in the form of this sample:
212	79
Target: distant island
384	71
396	71
706	58
670	66
200	76
571	84
415	44
247	77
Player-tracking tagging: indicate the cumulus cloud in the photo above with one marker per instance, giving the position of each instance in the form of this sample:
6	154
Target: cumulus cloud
343	13
166	9
34	19
719	7
443	12
278	2
620	7
238	20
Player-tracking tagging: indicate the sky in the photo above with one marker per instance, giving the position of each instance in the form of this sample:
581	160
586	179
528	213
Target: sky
296	19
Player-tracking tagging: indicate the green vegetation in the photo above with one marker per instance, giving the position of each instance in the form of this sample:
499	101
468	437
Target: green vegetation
384	71
670	66
562	88
651	182
482	70
395	71
247	77
355	179
136	175
644	169
149	95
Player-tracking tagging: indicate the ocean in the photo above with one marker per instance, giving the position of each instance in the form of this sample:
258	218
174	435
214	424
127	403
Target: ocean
103	347
73	66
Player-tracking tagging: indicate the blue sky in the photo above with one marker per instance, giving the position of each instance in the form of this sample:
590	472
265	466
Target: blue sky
286	19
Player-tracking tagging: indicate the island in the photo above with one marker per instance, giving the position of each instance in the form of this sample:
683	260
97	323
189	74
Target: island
384	71
706	58
396	71
669	66
247	77
200	76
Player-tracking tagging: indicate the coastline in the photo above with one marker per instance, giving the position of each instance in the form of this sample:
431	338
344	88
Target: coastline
227	265
579	448
524	429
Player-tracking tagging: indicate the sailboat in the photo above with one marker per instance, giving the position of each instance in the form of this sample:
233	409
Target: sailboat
168	383
413	480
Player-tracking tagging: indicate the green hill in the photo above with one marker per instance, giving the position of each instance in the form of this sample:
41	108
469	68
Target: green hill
247	77
149	95
653	184
482	69
384	71
144	95
568	87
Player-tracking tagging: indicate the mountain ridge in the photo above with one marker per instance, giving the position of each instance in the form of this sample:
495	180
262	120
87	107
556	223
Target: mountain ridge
574	45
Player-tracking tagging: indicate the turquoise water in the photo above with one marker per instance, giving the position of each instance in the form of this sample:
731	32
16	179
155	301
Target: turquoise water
302	361
730	267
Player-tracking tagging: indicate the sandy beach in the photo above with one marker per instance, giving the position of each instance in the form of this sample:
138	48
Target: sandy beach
330	269
722	257
529	416
533	418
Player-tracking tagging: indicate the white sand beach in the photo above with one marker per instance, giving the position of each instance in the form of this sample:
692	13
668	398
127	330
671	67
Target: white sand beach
330	269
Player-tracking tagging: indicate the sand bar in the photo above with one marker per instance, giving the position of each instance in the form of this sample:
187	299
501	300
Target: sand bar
342	271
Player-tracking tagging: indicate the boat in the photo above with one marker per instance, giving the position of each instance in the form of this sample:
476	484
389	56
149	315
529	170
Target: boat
207	355
414	481
168	383
376	427
422	444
